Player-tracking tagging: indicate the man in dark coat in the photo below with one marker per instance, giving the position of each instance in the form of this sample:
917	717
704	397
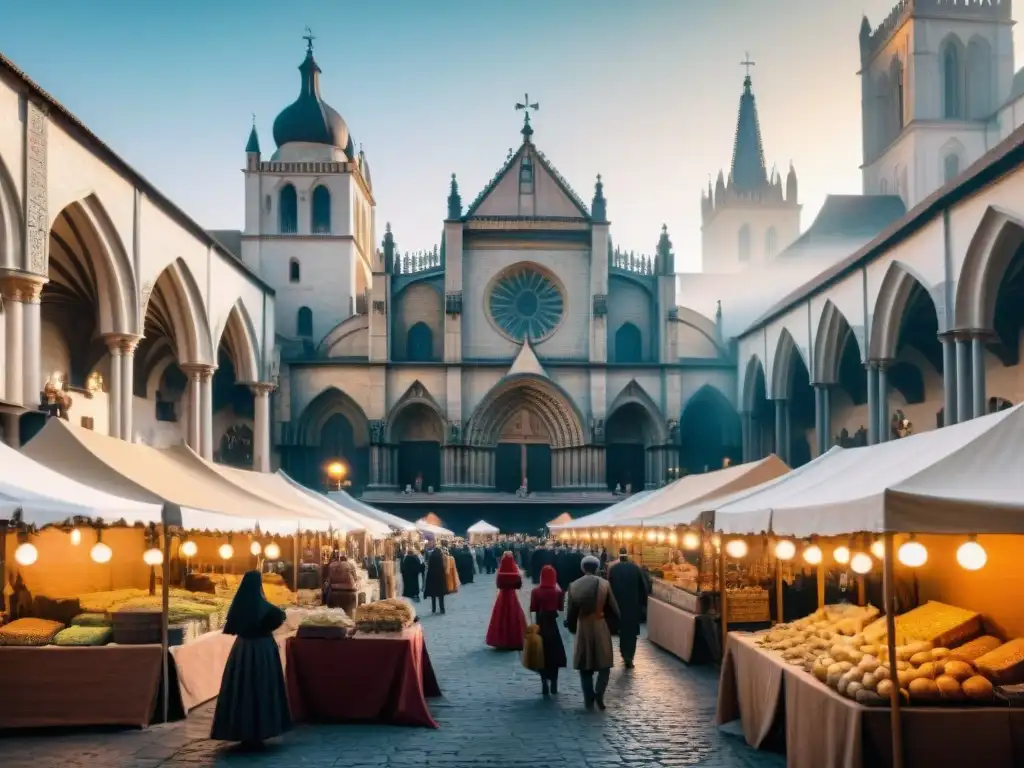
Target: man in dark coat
541	556
630	590
490	558
563	568
412	568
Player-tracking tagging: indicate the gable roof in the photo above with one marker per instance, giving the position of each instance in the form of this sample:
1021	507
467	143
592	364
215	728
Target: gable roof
527	362
1003	158
846	217
540	159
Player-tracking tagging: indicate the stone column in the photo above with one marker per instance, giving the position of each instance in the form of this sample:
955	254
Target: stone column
745	432
31	292
819	425
826	412
978	374
964	380
3	349
206	412
114	406
884	413
781	417
128	345
261	427
948	380
872	373
194	428
14	311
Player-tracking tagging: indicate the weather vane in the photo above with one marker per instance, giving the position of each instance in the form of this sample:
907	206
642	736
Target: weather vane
526	106
309	37
748	63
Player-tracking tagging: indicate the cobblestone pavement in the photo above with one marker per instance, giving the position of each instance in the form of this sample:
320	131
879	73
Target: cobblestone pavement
492	714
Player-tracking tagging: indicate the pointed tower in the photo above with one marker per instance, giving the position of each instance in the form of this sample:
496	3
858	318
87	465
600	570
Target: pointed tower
747	220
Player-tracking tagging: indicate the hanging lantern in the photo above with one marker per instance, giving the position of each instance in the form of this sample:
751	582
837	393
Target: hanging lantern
226	551
189	548
813	555
913	553
153	557
101	553
878	549
691	540
651	536
255	548
76	537
841	555
736	549
785	549
717	541
861	563
26	554
673	539
971	555
272	551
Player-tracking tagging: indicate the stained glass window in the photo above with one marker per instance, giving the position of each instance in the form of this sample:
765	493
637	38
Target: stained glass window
526	304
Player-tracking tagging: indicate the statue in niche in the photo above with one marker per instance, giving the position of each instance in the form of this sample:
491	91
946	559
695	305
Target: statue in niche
900	426
597	430
377	431
455	432
673	431
55	400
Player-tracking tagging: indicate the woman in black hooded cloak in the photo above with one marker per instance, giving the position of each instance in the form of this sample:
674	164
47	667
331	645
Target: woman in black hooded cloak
253	704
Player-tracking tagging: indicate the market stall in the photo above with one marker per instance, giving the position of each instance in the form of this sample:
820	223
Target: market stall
914	509
562	519
482	531
348	502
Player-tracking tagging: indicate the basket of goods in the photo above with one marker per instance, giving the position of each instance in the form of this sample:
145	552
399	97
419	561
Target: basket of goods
747	605
326	624
91	620
82	636
33	632
392	615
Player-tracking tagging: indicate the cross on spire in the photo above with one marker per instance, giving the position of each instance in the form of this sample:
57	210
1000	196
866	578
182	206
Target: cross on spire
747	63
527	106
309	37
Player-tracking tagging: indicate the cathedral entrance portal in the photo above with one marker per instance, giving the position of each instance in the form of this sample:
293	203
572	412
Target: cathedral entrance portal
418	434
524	453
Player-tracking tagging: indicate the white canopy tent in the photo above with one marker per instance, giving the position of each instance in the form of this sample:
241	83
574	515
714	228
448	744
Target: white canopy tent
372	526
482	528
46	497
433	530
965	478
607	514
347	502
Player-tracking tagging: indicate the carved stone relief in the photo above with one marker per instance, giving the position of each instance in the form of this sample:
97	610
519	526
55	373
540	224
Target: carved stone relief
36	209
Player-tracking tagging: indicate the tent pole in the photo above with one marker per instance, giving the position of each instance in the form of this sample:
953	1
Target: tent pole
165	646
779	618
888	587
822	573
722	607
295	562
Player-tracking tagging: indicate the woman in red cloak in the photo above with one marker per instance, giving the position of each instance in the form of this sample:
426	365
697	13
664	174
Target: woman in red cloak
508	622
545	603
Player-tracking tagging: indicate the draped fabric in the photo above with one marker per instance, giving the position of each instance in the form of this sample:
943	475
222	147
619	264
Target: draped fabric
508	622
435	583
545	603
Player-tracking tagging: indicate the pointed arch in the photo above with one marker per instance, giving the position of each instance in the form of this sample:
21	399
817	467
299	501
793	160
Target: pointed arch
782	365
176	310
10	220
415	395
980	82
753	376
548	401
329	402
833	332
709	431
287	210
952	58
239	337
898	287
995	242
635	394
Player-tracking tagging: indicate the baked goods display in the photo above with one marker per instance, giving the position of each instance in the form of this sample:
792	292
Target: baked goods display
79	635
29	632
392	615
941	656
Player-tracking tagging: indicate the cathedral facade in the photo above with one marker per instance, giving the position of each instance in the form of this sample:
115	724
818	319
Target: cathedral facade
523	353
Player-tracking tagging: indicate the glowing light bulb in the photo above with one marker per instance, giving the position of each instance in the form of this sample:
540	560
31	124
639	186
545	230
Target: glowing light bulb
841	555
785	549
76	537
101	553
661	537
629	535
673	539
153	557
26	554
255	548
226	551
878	549
913	554
736	549
812	555
717	541
861	563
189	549
651	536
691	540
272	551
971	556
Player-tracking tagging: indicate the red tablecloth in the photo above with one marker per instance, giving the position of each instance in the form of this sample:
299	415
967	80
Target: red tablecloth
367	678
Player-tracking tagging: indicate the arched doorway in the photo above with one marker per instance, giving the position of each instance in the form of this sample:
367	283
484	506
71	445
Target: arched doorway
627	435
233	400
419	344
759	407
331	428
791	390
417	430
709	432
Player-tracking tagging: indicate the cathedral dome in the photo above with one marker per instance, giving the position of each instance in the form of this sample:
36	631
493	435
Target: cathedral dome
309	119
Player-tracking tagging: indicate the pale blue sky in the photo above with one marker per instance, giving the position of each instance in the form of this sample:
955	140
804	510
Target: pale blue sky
643	92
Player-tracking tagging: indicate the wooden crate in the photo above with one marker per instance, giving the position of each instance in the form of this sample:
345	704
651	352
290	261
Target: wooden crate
747	609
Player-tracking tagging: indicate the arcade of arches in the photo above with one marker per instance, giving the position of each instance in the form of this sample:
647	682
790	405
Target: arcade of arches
522	433
915	377
158	384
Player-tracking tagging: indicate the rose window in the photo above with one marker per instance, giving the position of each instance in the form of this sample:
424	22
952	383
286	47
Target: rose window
526	304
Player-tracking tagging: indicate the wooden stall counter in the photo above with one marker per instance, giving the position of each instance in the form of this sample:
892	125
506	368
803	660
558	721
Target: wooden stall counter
67	686
367	678
826	730
680	632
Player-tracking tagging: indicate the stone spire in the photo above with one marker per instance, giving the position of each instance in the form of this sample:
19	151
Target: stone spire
665	257
253	144
748	173
389	249
454	201
599	206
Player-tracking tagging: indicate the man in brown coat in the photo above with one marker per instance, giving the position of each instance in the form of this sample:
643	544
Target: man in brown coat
590	601
343	585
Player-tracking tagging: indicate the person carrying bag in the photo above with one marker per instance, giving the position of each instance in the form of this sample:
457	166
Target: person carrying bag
533	649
